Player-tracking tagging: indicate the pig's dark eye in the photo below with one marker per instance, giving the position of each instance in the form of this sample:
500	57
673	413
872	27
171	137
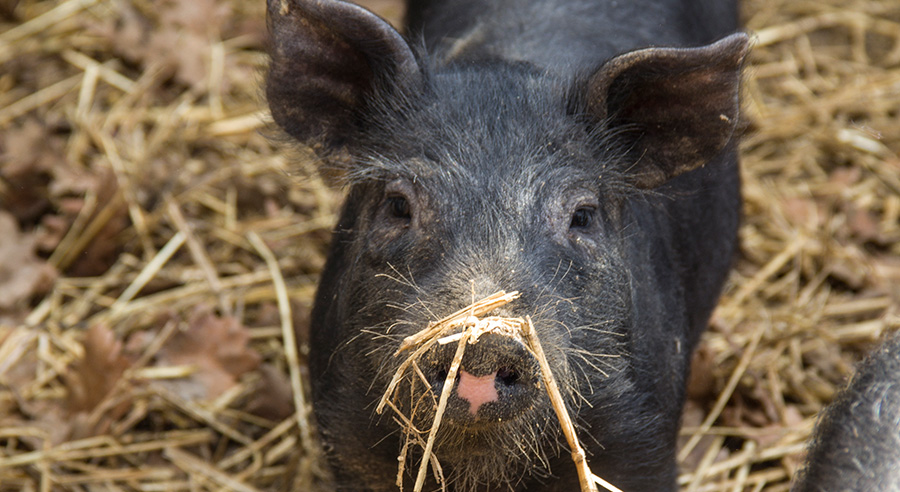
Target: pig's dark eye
398	206
582	218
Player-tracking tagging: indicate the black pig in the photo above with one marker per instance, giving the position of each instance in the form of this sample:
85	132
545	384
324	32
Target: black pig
856	445
545	146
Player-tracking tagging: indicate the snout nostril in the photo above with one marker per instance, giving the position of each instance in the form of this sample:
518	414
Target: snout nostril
440	377
507	376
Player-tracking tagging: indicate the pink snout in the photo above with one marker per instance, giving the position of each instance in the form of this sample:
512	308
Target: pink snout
476	390
498	380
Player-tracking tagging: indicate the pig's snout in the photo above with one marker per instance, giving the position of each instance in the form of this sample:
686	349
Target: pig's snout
498	380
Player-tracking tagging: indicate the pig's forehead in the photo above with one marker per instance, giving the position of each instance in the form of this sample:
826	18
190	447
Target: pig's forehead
496	109
489	126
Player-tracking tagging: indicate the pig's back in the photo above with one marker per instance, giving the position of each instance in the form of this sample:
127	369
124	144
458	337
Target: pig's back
857	440
564	35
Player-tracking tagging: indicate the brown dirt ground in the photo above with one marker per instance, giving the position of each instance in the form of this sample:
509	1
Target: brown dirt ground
156	247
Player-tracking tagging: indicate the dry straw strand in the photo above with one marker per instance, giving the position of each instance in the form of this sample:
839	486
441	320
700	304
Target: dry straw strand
817	269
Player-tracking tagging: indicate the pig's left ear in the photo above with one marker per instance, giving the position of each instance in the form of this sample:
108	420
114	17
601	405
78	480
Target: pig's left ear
677	108
329	57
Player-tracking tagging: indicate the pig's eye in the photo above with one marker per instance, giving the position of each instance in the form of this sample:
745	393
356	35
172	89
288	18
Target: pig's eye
398	206
582	218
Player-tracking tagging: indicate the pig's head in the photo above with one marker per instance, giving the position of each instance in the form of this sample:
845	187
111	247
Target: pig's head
467	179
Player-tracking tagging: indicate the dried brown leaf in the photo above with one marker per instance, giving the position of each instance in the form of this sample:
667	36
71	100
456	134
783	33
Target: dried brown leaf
202	17
216	347
22	274
702	382
863	224
177	40
91	379
272	397
801	212
29	155
111	218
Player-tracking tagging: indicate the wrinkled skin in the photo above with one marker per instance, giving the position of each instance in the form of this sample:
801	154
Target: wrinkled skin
601	184
856	444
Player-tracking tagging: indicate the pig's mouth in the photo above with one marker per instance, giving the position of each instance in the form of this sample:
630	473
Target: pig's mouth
472	394
483	452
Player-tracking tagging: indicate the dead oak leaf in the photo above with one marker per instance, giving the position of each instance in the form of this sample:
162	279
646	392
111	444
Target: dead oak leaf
864	225
91	379
216	348
20	369
183	53
103	249
26	163
18	364
176	37
272	396
204	17
22	274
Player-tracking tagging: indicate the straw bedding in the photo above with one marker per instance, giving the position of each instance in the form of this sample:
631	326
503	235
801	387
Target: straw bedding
159	250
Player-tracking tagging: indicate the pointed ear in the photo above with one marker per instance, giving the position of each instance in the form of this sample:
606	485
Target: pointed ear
677	107
328	59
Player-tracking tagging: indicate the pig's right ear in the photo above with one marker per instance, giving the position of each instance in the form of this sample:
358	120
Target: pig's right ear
327	57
